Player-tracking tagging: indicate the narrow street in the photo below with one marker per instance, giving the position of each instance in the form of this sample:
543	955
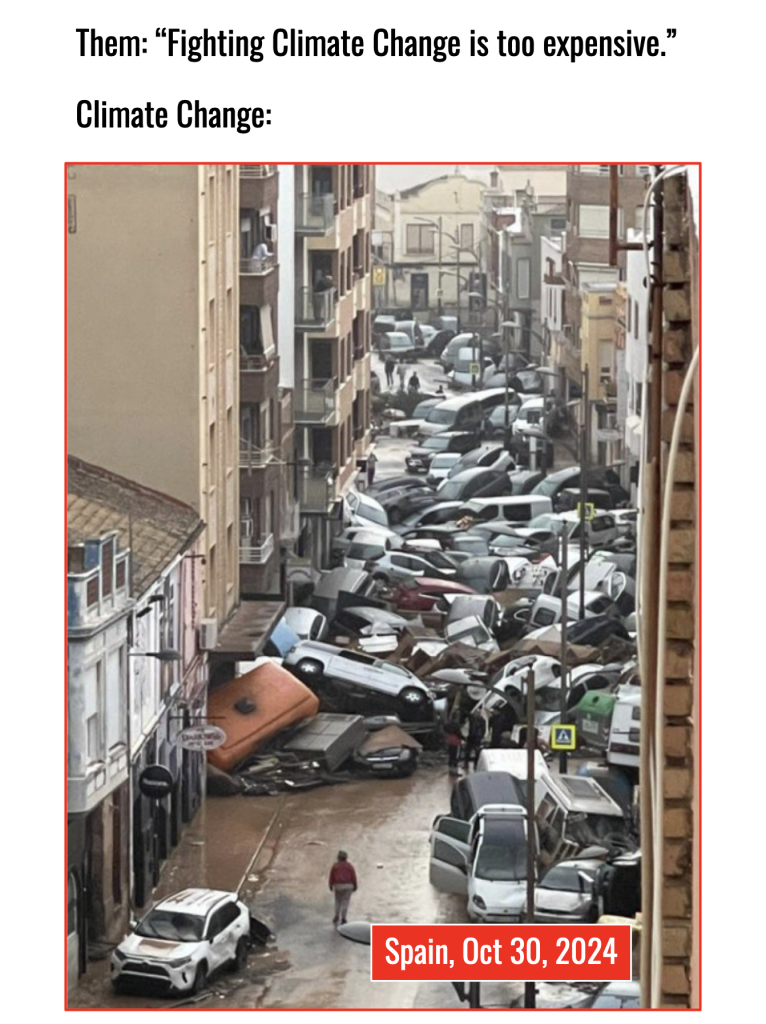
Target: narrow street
278	852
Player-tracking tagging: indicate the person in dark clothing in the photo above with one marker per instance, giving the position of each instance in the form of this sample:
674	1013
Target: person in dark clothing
389	366
414	383
342	884
474	740
453	739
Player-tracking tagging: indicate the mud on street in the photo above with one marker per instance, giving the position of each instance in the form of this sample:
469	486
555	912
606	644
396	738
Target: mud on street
278	851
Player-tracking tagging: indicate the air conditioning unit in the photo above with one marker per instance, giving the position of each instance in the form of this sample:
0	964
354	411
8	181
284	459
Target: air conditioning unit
208	634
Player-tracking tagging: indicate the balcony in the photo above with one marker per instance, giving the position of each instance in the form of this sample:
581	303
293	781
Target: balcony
257	170
251	458
257	266
314	215
252	554
314	311
316	488
314	401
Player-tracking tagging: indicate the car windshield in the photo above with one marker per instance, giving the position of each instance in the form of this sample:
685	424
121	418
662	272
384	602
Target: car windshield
375	515
439	560
451	490
441	416
422	408
503	853
594	829
541	521
170	925
436	443
365	551
564	879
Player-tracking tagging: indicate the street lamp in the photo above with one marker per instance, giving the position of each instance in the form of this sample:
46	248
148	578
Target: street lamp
166	654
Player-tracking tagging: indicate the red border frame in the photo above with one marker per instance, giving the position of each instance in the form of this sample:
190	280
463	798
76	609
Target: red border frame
697	747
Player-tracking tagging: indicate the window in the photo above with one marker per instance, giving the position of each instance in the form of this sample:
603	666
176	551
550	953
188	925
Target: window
420	238
71	904
639	397
593	221
250	330
635	319
642	170
639	218
466	236
419	292
107	567
449	855
522	278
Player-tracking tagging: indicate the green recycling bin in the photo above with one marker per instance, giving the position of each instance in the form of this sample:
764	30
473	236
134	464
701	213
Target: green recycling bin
593	718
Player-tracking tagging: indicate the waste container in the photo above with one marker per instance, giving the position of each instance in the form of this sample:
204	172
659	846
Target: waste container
593	718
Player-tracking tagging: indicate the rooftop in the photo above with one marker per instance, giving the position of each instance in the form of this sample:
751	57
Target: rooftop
155	526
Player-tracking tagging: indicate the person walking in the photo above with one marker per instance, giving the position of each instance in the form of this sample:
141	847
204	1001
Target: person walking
372	460
414	384
342	884
453	740
401	374
389	366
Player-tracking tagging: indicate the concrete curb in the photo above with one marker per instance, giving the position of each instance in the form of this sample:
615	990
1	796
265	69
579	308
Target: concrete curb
260	845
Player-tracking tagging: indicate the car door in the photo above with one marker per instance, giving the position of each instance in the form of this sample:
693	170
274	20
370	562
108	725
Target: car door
450	852
219	937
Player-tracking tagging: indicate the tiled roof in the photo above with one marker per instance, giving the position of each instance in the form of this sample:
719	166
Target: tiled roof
155	526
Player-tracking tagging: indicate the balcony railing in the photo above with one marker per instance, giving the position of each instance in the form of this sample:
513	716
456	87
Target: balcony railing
314	400
251	457
314	215
257	360
257	170
316	488
314	311
252	554
257	265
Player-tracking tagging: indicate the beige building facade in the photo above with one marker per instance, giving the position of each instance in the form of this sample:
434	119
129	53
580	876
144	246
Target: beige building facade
332	280
152	335
428	239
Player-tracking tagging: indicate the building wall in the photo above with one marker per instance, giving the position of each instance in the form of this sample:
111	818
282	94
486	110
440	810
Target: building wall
549	181
455	199
132	323
597	336
152	358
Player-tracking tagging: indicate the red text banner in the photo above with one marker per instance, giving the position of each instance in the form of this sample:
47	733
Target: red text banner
500	952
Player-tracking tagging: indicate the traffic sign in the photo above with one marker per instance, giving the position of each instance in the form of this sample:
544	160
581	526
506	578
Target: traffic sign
201	737
378	276
563	737
475	369
590	510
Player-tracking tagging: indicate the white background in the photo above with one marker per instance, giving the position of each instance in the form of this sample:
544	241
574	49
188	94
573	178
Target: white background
701	102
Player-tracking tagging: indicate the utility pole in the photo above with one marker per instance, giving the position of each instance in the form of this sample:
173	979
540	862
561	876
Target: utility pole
457	288
564	623
583	486
529	986
439	296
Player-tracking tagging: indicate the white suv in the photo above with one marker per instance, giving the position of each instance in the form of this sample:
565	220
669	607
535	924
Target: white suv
182	940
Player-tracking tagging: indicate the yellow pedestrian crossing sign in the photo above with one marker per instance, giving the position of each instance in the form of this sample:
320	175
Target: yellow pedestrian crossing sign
378	276
590	510
563	737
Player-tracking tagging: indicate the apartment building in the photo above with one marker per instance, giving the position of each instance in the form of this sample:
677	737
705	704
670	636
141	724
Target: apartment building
428	238
332	206
547	181
266	499
155	258
586	251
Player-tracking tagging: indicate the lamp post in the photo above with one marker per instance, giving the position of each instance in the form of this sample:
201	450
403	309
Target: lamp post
437	226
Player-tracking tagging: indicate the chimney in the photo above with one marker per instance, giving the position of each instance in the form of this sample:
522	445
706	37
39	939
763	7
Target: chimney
494	179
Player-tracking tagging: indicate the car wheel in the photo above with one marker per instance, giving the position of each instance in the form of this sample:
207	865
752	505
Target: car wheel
310	668
240	955
411	697
200	978
380	577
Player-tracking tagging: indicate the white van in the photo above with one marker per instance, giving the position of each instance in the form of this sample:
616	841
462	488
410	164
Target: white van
573	812
624	744
531	416
501	759
517	508
484	859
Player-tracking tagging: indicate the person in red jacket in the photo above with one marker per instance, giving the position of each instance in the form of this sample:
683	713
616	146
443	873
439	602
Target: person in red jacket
342	884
